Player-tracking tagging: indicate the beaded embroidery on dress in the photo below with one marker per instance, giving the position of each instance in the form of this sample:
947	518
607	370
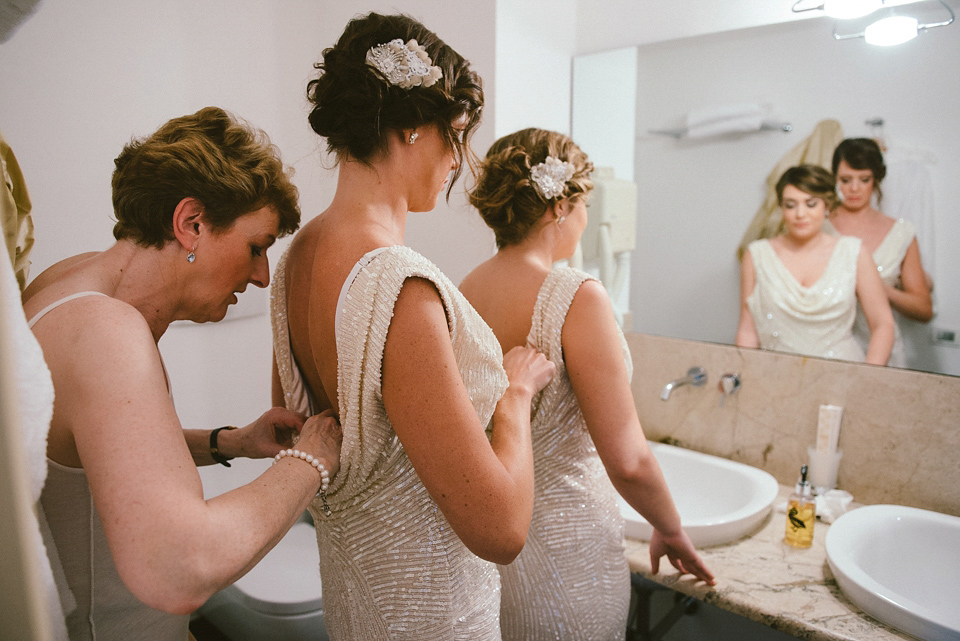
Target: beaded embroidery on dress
571	581
391	565
888	257
815	320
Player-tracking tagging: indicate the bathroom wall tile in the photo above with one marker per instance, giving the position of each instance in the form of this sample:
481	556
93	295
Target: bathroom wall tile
900	433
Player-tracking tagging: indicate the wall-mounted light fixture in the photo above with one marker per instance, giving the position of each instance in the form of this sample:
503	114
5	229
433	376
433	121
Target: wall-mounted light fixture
892	26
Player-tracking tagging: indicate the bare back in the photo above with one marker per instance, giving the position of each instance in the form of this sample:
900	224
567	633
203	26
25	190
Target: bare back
318	262
504	292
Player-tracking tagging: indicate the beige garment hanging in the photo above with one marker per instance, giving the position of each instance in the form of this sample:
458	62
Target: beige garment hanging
15	214
816	149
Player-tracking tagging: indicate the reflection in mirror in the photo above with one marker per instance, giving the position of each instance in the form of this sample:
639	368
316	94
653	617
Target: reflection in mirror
696	196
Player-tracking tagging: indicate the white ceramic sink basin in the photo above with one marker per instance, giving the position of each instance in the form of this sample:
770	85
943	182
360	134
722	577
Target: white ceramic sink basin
901	565
719	500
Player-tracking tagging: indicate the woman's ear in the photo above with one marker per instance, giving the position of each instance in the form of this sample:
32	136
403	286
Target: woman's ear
188	222
561	208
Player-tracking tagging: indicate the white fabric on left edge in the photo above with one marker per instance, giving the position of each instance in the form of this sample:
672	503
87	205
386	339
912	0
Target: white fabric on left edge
34	389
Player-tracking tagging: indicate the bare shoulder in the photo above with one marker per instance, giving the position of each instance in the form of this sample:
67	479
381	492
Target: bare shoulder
94	327
591	292
590	317
55	272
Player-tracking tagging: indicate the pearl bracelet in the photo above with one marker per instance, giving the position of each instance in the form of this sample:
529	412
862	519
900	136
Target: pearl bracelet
315	462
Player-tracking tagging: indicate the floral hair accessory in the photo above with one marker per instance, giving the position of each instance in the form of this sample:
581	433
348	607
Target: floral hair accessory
404	65
551	176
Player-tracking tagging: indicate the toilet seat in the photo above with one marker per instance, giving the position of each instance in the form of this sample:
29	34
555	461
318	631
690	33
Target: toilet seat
287	580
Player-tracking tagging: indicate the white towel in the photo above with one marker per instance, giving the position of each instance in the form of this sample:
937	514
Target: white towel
721	113
739	125
34	389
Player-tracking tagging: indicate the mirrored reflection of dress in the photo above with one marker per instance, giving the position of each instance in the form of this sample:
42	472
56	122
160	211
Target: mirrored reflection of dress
813	321
571	581
888	256
391	565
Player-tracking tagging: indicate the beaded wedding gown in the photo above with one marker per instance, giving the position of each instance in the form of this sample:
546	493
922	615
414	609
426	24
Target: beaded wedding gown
571	581
815	320
391	565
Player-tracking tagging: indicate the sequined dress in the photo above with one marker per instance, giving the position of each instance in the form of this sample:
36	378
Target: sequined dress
391	565
815	320
571	581
889	256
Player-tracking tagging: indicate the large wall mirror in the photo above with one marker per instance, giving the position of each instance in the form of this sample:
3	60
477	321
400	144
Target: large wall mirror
696	197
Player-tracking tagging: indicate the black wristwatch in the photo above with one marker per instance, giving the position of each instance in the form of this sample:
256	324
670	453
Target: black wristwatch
214	451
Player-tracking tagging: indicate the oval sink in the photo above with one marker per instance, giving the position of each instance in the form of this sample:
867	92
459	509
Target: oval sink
719	500
901	565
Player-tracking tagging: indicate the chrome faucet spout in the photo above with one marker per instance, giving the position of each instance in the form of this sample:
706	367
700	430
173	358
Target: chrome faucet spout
696	376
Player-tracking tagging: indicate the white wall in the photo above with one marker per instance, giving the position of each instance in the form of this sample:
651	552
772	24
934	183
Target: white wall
697	197
81	78
534	48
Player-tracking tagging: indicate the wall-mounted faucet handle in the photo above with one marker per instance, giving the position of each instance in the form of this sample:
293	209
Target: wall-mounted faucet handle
729	383
696	376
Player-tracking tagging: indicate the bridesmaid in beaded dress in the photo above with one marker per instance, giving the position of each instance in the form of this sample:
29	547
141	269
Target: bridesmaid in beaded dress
799	290
436	476
859	168
588	442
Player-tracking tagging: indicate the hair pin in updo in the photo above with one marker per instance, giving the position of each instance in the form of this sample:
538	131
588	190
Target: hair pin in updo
551	176
404	65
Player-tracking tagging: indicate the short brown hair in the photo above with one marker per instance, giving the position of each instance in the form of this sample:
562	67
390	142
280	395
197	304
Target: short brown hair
860	154
230	167
810	179
506	197
354	106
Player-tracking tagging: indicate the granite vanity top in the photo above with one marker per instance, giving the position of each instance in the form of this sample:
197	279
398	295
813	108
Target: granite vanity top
762	578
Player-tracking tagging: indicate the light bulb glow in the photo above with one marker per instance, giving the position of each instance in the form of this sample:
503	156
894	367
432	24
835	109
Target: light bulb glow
849	9
891	31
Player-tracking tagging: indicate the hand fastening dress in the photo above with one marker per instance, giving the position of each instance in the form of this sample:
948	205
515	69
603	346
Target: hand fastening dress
571	581
815	320
391	565
889	256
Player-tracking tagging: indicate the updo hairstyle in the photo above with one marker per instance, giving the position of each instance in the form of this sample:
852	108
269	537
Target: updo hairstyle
810	179
506	197
229	166
355	107
860	154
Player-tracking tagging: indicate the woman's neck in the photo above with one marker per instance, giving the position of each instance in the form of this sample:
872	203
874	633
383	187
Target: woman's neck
146	279
366	199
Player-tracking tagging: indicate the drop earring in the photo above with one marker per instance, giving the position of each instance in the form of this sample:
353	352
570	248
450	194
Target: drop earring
560	220
191	257
413	138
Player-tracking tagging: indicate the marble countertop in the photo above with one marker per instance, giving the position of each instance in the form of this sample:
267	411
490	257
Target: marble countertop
762	578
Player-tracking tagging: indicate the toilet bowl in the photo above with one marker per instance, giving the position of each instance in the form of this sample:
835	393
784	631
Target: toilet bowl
279	599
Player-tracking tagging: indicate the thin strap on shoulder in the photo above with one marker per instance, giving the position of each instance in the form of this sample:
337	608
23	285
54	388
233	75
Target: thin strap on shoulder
58	303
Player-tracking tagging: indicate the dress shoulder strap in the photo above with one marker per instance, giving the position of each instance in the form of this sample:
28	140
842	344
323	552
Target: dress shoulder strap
58	303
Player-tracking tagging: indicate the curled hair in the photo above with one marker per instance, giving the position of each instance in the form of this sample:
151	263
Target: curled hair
810	179
506	197
355	107
230	167
860	154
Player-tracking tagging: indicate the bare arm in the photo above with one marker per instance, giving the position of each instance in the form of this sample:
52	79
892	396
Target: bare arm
484	489
172	548
264	437
913	301
876	309
594	359
746	329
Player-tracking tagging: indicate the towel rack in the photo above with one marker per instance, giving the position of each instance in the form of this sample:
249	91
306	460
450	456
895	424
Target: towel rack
766	125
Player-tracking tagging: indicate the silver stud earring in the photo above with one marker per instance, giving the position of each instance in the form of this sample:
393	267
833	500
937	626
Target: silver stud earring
413	138
191	257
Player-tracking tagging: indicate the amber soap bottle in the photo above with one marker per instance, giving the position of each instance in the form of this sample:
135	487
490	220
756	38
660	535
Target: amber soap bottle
801	514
